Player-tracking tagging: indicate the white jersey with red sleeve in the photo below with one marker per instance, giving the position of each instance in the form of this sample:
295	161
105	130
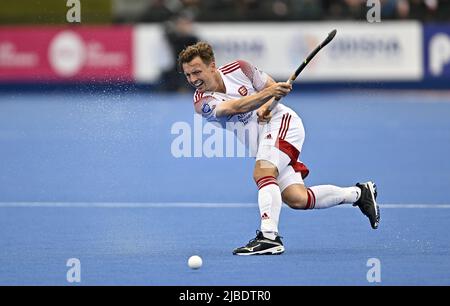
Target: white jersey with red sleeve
241	79
279	141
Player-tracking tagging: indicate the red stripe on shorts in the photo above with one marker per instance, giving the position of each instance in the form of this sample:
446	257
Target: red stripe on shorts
287	127
293	154
283	119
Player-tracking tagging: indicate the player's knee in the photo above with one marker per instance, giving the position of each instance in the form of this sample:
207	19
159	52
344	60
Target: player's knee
264	168
296	203
295	198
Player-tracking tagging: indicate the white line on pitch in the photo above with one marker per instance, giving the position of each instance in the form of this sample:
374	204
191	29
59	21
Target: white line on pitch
183	205
414	205
124	205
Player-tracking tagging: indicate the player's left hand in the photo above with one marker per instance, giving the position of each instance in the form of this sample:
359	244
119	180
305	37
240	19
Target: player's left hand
262	118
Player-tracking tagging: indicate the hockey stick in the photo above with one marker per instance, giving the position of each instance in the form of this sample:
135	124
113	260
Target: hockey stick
329	38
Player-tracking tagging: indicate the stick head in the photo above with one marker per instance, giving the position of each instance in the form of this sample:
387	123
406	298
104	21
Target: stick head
330	37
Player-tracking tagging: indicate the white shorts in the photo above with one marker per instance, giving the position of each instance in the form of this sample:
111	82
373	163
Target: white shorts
280	143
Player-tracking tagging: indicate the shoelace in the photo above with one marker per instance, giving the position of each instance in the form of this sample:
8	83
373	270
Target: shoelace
258	233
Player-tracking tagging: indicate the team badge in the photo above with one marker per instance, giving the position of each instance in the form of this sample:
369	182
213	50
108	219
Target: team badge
243	91
206	109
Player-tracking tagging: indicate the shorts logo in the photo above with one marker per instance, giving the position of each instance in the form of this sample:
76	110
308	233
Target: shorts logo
243	91
268	136
206	109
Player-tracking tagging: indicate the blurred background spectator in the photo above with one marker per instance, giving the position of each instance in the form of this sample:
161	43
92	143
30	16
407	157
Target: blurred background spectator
179	34
133	11
292	10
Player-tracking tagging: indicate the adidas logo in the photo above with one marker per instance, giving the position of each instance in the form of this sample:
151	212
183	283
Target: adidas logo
268	136
265	216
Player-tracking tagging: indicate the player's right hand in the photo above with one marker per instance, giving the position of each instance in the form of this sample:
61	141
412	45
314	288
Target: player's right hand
280	89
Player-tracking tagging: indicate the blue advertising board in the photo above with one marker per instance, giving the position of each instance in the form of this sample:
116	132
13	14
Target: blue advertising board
437	52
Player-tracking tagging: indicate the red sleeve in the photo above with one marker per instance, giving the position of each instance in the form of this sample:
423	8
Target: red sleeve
256	76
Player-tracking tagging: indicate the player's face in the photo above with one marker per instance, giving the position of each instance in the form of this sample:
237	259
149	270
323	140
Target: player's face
200	75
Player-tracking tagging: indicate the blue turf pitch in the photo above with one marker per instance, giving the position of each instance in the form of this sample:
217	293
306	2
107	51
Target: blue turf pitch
150	246
74	152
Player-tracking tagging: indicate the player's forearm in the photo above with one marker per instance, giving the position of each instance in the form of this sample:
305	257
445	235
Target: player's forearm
253	102
244	105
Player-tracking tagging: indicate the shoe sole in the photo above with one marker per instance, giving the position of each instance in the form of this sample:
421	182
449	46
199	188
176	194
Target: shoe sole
278	250
377	209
